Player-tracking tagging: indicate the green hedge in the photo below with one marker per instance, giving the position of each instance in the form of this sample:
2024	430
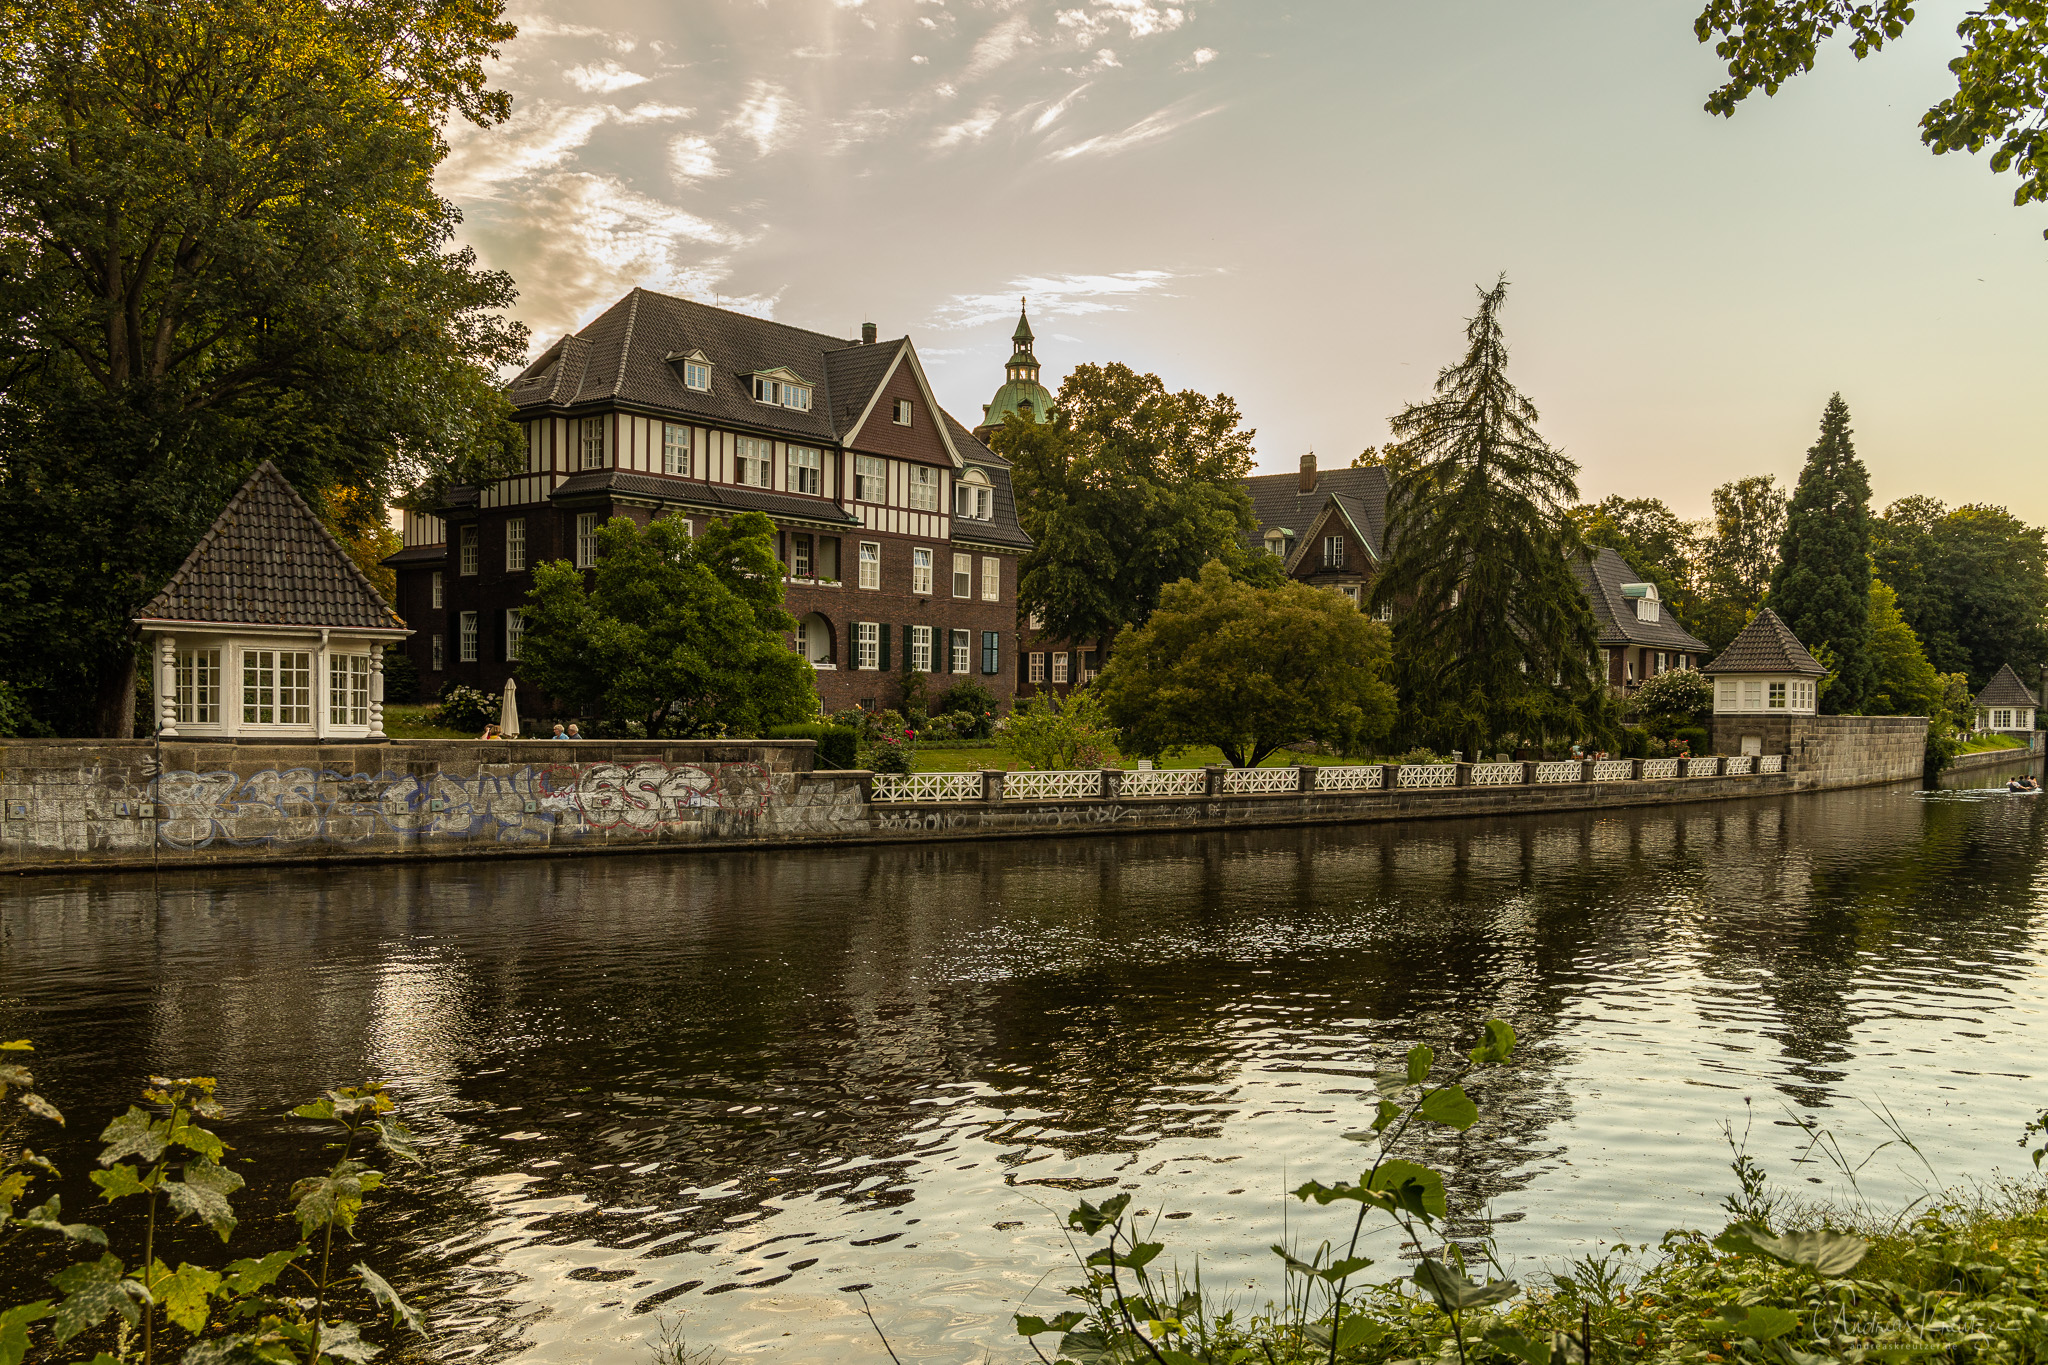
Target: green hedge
835	743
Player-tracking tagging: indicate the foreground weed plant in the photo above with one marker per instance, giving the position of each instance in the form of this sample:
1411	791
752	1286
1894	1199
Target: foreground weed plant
1964	1284
159	1165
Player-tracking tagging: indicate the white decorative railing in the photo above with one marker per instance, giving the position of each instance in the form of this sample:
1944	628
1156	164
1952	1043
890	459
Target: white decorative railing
1351	779
1565	770
1164	782
1771	763
1740	767
1655	768
1427	775
1052	786
1702	767
1245	781
1613	770
1496	774
927	786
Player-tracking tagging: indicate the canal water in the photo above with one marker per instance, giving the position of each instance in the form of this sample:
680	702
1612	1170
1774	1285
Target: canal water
714	1092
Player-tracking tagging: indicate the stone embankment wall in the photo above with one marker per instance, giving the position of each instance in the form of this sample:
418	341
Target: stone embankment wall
1832	751
73	804
1994	759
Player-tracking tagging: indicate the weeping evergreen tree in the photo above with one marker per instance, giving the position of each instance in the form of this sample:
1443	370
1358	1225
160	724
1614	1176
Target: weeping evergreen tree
1492	635
1821	587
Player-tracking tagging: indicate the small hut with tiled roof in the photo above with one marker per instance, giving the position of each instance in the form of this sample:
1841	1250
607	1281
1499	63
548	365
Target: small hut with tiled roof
1766	670
268	630
2005	705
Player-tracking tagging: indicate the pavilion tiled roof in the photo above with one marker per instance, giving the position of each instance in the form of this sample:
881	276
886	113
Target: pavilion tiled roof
1766	645
269	561
2006	689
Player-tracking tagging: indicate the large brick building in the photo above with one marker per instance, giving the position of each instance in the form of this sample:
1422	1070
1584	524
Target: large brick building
895	523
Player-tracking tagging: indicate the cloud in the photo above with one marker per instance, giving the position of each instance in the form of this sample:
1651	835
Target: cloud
973	128
538	137
1148	129
655	113
1000	45
1052	112
540	26
1140	18
1200	57
603	78
767	117
692	157
1053	296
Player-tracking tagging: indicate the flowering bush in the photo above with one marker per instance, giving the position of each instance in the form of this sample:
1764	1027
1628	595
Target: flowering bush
894	753
465	708
1670	700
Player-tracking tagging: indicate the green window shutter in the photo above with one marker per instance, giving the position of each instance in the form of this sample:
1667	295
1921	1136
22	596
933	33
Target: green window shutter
991	651
884	660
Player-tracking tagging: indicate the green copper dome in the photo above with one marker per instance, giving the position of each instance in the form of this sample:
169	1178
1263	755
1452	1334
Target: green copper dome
1021	392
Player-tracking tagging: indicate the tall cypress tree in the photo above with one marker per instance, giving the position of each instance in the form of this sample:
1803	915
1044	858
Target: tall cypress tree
1821	587
1492	635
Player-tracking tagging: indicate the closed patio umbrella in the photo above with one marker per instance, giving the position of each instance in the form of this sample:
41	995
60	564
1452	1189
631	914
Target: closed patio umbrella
508	711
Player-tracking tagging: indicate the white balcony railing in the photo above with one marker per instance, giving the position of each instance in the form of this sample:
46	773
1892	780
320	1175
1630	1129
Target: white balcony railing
1496	774
1655	769
927	786
1052	786
1771	763
1741	767
1427	775
1260	781
1367	778
1565	770
1613	770
1148	782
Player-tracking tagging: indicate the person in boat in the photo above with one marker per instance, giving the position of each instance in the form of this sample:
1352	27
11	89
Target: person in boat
2023	784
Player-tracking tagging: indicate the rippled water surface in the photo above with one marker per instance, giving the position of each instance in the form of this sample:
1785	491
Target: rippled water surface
717	1090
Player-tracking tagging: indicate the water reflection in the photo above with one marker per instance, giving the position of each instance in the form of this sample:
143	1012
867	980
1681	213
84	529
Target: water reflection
727	1087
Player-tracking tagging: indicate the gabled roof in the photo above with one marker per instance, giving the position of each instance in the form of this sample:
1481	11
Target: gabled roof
268	561
1277	501
1604	579
1766	645
2006	689
1337	509
1002	529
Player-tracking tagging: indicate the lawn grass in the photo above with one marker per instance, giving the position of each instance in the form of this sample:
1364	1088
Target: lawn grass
415	721
1986	743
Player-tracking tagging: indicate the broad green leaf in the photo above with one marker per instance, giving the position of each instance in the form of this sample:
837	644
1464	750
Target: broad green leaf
92	1290
249	1275
183	1293
120	1182
382	1292
203	1194
1451	1107
1027	1326
344	1341
1759	1322
49	1217
135	1134
1329	1194
1824	1253
322	1108
1134	1259
1342	1269
1498	1046
1091	1219
394	1137
1454	1293
337	1197
1388	1112
14	1325
1088	1347
41	1108
1415	1188
193	1138
18	1045
1520	1345
1355	1331
1420	1059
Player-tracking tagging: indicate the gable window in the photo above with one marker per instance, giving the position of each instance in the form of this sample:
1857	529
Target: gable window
870	479
921	571
804	464
903	412
1276	544
277	687
870	564
435	587
991	579
867	642
797	396
782	392
1333	552
466	550
959	651
199	687
515	545
924	488
963	575
439	654
593	443
972	497
586	540
921	649
348	689
465	637
1059	667
751	462
697	375
2001	720
767	390
675	448
1038	668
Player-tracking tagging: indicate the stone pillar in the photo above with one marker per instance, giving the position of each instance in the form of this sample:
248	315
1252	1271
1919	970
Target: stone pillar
377	691
1635	770
1586	770
1213	787
1112	783
1392	779
167	686
1464	778
1305	777
991	785
1528	773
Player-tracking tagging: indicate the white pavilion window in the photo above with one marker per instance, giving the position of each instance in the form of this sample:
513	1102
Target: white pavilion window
199	687
277	687
348	689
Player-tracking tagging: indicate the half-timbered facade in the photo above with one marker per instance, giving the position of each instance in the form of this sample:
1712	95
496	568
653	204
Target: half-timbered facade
895	524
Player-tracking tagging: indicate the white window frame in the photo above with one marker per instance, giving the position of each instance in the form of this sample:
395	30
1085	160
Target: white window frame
1059	666
592	444
767	390
277	687
439	654
805	467
675	449
961	649
1752	694
921	649
870	479
1779	697
465	637
924	488
437	590
921	570
963	576
1038	668
348	689
697	375
802	554
515	547
867	644
1387	613
796	396
870	564
751	454
1333	552
991	579
900	414
465	550
198	699
515	632
586	539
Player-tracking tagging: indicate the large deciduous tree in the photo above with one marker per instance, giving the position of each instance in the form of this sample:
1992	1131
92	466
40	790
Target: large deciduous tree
1249	670
1821	587
1737	557
1656	542
685	635
220	243
1492	634
1972	582
2001	76
1129	488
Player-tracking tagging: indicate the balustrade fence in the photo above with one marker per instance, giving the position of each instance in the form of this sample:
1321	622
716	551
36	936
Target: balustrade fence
1184	783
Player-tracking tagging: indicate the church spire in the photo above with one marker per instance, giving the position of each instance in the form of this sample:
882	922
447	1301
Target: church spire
1021	392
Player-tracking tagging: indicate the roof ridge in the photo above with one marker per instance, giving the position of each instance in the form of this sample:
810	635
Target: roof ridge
840	343
626	342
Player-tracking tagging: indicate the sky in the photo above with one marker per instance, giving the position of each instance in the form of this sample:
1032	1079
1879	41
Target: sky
1295	204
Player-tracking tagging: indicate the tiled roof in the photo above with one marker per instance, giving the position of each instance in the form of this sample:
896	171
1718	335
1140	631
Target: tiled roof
690	493
1277	500
852	374
1003	529
1766	645
1602	580
2006	689
268	561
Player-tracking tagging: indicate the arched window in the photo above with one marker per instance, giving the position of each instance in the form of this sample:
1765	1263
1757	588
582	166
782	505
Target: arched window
973	498
814	640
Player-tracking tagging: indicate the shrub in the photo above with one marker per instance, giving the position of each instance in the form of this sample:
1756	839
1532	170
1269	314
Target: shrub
892	754
465	708
1054	735
913	696
1670	700
973	705
836	743
1426	756
401	676
1693	737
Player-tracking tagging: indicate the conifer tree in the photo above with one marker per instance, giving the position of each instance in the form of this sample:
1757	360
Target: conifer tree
1492	634
1821	587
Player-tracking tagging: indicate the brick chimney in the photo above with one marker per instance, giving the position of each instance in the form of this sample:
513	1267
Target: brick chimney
1308	472
867	334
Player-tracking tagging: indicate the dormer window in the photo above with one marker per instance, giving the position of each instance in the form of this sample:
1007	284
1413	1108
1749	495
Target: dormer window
783	390
973	499
697	375
1644	595
1276	542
